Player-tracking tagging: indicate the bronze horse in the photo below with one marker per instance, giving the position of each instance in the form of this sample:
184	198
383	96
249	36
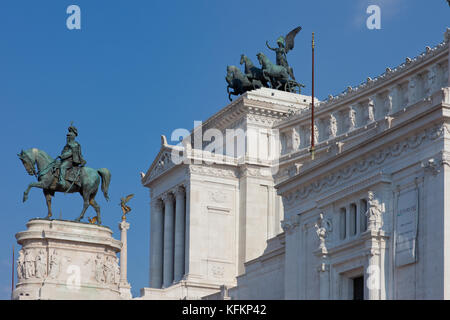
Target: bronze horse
253	72
276	74
239	82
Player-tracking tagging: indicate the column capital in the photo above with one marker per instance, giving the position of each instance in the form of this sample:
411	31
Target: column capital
180	190
168	196
124	225
157	203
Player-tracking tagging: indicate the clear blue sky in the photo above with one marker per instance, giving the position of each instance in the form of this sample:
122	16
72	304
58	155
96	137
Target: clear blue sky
139	69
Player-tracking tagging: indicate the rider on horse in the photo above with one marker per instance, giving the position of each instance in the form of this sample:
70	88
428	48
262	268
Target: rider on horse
70	155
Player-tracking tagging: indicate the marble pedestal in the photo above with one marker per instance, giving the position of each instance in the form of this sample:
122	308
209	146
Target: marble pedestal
67	260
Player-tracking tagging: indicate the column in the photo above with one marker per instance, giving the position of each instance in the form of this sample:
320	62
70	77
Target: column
156	249
123	226
324	281
187	230
179	233
372	275
168	240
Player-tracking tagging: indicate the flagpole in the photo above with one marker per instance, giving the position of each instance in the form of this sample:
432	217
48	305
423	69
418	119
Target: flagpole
312	102
12	273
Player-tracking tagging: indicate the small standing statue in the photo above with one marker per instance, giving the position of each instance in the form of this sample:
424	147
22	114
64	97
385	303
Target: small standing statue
123	204
374	211
30	270
323	227
55	263
41	265
21	265
285	44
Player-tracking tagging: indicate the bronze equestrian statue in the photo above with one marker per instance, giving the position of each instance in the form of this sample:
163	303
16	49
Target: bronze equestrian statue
75	177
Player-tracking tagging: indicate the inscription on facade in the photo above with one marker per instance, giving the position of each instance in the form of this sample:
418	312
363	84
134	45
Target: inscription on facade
406	228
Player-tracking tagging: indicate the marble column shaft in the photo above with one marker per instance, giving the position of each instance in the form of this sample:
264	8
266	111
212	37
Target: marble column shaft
123	226
372	276
179	233
156	255
168	240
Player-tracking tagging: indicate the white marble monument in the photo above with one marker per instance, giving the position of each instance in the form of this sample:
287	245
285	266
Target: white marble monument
367	218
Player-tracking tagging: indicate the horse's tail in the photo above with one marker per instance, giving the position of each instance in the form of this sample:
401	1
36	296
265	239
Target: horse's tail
106	179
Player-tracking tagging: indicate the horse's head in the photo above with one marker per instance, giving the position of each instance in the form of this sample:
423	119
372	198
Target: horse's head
242	59
27	161
261	58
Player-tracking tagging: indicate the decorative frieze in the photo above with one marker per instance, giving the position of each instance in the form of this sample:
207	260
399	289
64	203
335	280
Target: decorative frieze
374	159
213	171
64	259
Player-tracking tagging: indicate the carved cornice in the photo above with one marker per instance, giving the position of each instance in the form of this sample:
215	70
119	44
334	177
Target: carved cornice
249	109
362	165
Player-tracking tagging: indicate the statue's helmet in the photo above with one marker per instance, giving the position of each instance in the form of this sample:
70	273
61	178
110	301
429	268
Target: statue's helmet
73	130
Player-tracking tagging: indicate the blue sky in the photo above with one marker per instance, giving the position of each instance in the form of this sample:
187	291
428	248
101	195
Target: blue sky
139	69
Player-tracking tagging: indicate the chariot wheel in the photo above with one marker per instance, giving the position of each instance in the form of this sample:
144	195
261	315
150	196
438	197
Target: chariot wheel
291	86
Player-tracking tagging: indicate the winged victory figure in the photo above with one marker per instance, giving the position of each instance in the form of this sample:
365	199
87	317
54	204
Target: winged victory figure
285	44
123	203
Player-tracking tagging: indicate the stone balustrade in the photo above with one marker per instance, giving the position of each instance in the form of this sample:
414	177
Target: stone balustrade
414	81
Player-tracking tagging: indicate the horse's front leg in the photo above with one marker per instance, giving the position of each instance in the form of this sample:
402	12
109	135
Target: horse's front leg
31	185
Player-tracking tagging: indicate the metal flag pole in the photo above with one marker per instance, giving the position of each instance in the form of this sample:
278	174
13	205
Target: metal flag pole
312	102
12	273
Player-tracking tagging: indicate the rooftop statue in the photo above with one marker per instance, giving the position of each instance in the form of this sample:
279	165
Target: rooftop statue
67	173
278	76
285	44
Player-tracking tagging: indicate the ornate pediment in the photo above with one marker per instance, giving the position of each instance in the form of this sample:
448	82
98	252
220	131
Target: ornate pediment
162	163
